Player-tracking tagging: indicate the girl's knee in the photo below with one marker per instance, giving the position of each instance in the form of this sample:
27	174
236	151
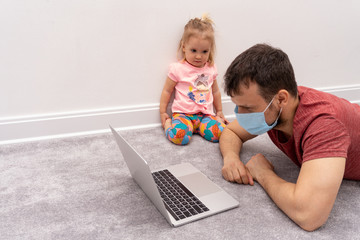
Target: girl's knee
181	129
178	136
212	130
212	134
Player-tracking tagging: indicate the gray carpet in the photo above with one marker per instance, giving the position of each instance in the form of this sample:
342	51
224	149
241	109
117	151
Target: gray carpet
80	188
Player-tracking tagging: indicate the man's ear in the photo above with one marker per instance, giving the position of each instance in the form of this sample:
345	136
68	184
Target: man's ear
283	97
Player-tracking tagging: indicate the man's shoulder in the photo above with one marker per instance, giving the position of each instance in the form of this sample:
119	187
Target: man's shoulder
313	95
312	103
318	110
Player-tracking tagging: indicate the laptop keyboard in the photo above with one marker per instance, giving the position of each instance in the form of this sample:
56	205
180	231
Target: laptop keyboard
178	200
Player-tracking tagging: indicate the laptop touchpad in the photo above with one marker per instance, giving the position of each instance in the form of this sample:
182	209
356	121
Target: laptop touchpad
198	184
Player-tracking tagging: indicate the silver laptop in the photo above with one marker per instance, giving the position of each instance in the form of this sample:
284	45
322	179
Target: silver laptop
181	192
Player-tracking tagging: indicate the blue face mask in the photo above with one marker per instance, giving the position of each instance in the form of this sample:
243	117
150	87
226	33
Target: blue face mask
254	123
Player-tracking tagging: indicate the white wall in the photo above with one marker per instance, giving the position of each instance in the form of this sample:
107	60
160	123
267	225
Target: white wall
70	58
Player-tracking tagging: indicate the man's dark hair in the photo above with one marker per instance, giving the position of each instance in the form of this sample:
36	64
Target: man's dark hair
268	67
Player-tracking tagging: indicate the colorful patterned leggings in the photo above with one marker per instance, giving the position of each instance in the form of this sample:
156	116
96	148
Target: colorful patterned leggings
184	125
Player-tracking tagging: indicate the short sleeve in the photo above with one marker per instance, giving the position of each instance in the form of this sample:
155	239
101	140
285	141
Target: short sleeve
172	74
215	72
325	137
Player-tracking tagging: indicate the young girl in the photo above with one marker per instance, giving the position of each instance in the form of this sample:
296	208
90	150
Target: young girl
196	90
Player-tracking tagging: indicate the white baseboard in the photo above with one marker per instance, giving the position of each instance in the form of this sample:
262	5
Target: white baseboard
32	128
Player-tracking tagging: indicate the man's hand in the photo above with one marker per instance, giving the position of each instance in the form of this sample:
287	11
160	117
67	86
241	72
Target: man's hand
231	141
258	165
309	201
235	171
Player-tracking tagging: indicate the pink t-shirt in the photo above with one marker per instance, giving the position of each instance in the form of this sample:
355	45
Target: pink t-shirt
324	126
193	90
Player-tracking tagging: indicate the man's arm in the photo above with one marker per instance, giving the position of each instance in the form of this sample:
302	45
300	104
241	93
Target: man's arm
231	141
308	202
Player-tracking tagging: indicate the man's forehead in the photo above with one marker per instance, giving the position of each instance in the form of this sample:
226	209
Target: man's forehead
241	91
247	96
248	89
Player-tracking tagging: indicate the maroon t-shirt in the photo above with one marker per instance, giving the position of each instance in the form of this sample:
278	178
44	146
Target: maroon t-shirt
324	126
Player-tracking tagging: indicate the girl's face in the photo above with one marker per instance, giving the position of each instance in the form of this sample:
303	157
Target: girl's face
197	50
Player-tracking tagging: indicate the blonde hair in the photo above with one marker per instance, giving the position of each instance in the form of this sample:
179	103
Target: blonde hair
199	27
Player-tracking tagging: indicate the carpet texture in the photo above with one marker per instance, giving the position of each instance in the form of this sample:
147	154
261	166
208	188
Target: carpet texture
80	188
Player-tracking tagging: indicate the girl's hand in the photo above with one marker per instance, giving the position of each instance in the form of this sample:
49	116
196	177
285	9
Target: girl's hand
163	117
220	116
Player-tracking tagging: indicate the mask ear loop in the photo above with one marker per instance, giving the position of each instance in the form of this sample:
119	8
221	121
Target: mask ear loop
279	113
269	104
277	118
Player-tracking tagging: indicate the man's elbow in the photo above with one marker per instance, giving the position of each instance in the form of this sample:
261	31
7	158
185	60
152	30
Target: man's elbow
310	226
312	222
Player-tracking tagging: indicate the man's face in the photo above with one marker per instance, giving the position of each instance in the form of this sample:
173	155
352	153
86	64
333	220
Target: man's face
249	101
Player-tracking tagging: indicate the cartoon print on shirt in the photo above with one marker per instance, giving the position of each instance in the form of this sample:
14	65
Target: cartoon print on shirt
200	94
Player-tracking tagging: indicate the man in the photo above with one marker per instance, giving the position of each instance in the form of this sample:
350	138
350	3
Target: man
318	131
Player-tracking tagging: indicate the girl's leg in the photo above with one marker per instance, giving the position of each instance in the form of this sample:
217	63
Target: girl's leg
181	129
196	121
211	128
